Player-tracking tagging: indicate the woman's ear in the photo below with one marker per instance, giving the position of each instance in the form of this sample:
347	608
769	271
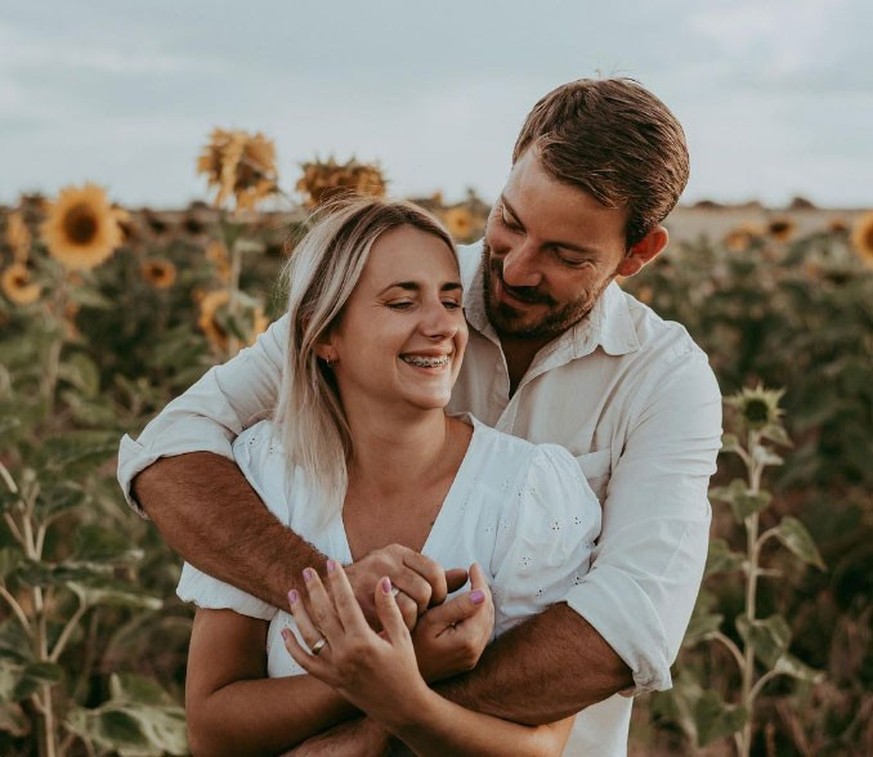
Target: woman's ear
649	247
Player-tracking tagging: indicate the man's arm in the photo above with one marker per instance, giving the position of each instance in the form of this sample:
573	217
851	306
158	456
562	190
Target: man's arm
180	471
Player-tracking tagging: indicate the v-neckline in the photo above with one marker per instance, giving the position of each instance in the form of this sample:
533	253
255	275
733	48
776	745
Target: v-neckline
457	485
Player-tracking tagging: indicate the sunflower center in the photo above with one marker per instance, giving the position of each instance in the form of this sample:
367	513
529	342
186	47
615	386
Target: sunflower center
80	224
756	411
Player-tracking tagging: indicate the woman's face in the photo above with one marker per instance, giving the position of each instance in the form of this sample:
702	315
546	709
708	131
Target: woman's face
402	334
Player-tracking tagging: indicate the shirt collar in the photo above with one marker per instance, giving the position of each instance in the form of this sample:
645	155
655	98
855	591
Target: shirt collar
608	325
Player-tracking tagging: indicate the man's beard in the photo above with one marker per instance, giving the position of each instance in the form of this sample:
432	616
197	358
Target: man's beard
554	322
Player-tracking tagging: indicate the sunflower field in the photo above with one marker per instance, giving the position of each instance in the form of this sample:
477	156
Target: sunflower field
107	313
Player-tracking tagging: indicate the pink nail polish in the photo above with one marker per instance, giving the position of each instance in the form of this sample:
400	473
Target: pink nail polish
331	566
285	633
308	574
477	597
293	596
386	585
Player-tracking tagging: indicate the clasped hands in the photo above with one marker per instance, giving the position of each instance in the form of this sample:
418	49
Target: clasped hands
390	609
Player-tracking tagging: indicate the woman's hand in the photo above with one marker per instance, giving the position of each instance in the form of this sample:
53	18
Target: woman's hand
449	639
377	673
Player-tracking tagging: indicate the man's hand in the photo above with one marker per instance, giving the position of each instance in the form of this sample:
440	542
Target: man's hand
421	582
355	738
449	638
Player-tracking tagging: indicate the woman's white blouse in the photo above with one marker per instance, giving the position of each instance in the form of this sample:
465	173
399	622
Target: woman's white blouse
524	512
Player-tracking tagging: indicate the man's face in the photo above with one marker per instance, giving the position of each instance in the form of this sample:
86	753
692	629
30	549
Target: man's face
550	250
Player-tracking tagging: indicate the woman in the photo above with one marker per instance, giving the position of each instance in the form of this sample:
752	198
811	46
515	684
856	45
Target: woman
361	455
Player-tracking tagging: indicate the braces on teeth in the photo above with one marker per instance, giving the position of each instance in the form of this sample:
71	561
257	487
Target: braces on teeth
427	362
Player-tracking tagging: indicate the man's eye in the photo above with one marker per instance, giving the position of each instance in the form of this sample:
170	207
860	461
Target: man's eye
451	304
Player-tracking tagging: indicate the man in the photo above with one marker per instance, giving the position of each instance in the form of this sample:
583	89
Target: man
557	353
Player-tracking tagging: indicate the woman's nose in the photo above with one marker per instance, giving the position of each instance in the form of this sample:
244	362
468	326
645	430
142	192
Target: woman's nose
438	321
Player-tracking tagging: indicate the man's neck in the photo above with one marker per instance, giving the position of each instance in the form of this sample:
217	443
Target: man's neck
519	354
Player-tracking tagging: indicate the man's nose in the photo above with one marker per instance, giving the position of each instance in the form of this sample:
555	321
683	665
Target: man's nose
520	267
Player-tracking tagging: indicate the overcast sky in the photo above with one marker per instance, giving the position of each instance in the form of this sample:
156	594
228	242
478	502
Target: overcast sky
776	96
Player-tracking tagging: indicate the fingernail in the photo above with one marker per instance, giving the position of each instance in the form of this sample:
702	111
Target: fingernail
308	574
293	596
285	633
331	566
386	585
477	597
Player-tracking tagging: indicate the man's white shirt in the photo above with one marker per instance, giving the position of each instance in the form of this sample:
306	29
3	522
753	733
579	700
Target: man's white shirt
628	394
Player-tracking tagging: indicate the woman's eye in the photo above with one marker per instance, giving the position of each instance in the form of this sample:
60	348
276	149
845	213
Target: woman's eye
401	305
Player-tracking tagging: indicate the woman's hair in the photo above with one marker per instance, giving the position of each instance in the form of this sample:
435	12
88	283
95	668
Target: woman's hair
321	275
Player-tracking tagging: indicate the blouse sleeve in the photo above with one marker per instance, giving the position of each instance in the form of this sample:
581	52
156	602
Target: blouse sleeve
544	543
209	593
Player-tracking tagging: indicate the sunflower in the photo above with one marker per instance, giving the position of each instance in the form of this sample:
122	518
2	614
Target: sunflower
742	237
82	229
780	229
758	408
323	181
16	285
18	236
211	322
459	222
161	274
239	165
862	237
216	253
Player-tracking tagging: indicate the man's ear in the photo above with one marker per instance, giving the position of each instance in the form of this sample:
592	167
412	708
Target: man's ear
649	247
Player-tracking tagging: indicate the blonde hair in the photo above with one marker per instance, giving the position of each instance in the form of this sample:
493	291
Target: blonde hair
321	275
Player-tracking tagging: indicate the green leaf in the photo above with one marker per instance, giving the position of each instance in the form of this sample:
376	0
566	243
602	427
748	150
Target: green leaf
730	443
9	559
10	672
768	638
703	626
129	687
33	676
117	597
793	534
715	719
777	434
764	456
789	665
90	298
82	373
742	500
97	544
722	559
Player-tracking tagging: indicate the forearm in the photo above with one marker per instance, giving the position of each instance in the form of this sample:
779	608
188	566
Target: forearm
442	727
545	669
207	512
264	716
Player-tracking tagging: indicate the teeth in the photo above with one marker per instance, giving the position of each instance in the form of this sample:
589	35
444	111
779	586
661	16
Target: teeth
426	362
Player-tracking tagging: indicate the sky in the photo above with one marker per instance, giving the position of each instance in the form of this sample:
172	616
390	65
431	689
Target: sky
776	96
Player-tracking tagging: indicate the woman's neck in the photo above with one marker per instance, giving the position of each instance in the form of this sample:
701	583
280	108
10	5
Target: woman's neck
392	453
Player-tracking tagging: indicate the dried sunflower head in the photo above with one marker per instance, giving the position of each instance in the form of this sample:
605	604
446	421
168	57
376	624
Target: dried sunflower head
239	165
323	181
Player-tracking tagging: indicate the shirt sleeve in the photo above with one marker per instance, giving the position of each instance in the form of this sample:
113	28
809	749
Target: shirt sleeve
545	540
648	563
208	416
207	592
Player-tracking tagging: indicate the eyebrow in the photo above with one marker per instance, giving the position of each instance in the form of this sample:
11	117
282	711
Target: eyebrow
555	242
414	286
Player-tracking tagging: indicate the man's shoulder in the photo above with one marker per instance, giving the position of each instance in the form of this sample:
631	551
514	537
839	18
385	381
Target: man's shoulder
657	335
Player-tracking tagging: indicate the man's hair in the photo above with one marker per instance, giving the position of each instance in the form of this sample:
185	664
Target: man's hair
321	275
615	140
